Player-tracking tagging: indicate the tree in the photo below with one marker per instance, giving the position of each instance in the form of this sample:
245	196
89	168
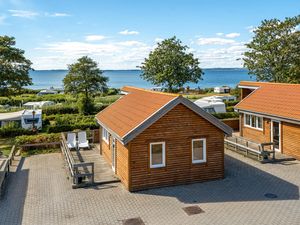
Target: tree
84	77
14	67
274	52
171	65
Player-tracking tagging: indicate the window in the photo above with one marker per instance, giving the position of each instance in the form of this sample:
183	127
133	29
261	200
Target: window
105	135
157	154
253	121
31	120
199	150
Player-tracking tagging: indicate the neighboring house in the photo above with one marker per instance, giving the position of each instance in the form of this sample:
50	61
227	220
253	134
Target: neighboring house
223	89
154	139
270	112
38	105
24	118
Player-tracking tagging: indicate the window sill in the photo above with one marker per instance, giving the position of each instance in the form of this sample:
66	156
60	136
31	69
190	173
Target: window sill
198	162
254	128
157	166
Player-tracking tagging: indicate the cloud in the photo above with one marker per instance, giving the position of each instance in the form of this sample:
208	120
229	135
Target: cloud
128	32
215	41
57	14
219	34
23	13
221	57
109	55
2	20
158	40
94	37
251	29
232	35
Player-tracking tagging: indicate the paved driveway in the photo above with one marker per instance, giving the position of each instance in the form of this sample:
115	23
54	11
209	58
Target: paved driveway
40	193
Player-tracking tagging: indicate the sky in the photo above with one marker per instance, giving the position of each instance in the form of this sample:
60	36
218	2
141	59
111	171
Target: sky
119	34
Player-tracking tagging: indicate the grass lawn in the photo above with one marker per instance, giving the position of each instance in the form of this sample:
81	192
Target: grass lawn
6	145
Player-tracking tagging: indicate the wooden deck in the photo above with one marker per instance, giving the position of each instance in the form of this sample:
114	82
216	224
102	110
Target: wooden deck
103	172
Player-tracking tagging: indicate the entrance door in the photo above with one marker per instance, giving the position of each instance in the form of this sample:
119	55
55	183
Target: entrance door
113	155
276	134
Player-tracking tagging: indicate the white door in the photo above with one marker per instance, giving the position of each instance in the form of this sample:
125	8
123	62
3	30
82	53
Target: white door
276	134
113	156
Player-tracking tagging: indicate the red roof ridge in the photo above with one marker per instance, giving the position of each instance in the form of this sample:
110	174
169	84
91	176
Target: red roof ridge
150	91
258	83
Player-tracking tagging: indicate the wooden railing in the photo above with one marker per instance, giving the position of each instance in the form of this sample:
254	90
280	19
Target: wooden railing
82	173
5	167
247	147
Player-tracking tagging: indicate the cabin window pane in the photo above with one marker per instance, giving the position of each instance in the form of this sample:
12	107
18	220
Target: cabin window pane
157	154
105	135
247	119
199	150
259	122
253	121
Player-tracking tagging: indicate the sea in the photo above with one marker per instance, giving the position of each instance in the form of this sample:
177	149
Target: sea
43	79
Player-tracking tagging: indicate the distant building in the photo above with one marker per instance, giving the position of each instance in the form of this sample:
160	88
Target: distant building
223	89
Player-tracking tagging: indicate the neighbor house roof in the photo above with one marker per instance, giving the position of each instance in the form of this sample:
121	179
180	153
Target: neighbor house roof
140	108
272	99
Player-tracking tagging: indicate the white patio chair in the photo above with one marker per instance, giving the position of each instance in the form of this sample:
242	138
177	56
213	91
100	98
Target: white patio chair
82	140
71	140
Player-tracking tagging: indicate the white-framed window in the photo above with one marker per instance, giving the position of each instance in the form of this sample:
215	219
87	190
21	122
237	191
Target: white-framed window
105	135
199	150
253	121
157	154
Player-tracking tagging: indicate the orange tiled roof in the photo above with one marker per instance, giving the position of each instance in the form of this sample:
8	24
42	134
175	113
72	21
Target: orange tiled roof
274	99
132	109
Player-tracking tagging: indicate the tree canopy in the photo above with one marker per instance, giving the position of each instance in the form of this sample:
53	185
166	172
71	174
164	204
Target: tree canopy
85	77
274	52
14	67
171	65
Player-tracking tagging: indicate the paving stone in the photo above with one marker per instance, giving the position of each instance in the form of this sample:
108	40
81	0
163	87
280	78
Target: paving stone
40	193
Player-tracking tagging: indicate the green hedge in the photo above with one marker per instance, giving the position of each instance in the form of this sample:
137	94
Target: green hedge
226	115
60	109
14	131
230	108
231	103
39	138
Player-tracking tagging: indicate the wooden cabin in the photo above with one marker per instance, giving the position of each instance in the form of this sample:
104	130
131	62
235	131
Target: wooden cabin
153	139
270	112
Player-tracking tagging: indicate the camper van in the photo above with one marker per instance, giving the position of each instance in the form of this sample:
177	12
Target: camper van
26	118
32	118
211	106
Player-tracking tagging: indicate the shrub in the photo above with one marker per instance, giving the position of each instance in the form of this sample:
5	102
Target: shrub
85	105
230	108
112	91
60	109
231	103
14	131
39	138
226	115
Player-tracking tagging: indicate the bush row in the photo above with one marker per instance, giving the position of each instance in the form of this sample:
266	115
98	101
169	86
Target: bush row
20	99
69	109
226	115
231	103
39	138
14	131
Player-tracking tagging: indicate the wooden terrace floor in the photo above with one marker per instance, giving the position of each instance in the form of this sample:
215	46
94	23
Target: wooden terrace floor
103	172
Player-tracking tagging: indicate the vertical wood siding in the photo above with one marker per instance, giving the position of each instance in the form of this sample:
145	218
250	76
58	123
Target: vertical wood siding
290	139
177	128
